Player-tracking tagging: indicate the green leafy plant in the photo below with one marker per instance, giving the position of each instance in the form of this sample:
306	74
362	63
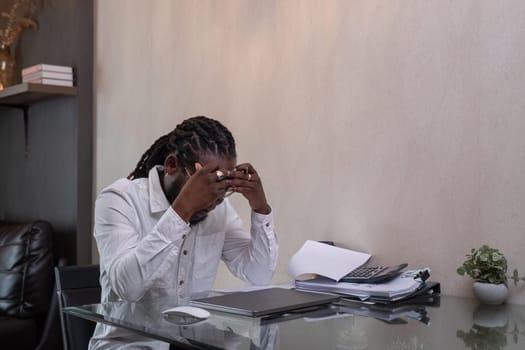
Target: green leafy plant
487	265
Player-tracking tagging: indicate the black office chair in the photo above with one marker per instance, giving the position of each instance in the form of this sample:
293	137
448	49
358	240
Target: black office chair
77	285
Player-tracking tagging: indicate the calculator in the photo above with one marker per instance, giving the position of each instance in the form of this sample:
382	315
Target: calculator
373	274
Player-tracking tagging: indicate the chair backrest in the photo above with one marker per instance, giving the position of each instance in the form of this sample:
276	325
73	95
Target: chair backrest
26	285
26	269
77	285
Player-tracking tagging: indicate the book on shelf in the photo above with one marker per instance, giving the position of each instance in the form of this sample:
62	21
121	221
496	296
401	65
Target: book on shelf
47	74
48	68
51	82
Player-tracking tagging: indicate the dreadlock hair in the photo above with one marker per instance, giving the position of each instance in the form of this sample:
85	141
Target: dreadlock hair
187	141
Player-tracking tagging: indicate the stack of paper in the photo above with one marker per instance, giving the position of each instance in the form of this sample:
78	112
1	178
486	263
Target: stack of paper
48	74
395	289
328	264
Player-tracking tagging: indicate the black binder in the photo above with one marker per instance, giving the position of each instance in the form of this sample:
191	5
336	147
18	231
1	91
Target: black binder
427	290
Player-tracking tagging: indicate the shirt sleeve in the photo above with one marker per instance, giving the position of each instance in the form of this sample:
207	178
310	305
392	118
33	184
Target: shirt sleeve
252	256
134	260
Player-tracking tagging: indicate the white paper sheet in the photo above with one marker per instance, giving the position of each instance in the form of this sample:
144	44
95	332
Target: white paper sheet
325	260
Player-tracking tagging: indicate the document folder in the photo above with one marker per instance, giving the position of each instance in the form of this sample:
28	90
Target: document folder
263	302
394	289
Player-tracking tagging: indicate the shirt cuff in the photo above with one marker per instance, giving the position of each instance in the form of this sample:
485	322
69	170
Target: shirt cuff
264	221
259	218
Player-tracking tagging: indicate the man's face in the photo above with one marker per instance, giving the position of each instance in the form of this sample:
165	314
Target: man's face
173	189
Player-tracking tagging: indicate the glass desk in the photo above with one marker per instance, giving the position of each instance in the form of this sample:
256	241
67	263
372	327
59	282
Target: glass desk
443	323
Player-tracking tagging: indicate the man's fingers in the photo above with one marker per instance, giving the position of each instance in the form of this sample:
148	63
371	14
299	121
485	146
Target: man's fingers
246	168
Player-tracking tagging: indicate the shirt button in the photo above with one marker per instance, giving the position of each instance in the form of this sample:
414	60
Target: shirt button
181	283
183	236
267	224
185	252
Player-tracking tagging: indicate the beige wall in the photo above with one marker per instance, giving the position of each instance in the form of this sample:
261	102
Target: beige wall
392	127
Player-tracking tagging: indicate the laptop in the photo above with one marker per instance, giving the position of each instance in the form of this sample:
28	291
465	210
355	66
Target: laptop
264	301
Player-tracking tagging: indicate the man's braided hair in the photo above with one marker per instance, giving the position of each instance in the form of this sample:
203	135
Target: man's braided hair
193	137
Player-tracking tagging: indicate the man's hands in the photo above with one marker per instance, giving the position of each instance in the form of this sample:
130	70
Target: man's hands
205	189
246	181
201	192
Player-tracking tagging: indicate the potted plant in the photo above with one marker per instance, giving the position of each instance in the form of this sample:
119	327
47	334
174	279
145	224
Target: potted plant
488	267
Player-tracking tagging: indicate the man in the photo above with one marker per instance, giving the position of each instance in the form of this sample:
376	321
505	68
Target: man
162	231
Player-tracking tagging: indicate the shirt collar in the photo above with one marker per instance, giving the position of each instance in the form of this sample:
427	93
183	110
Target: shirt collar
157	199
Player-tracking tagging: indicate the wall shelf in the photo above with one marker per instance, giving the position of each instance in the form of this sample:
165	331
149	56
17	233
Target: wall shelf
26	94
23	95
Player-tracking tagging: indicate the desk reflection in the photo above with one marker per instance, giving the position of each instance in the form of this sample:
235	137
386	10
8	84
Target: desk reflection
449	323
145	319
493	327
229	340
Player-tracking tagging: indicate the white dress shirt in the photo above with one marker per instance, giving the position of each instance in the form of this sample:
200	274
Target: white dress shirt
147	251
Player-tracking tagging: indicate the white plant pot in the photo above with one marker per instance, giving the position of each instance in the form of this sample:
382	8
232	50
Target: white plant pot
489	293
